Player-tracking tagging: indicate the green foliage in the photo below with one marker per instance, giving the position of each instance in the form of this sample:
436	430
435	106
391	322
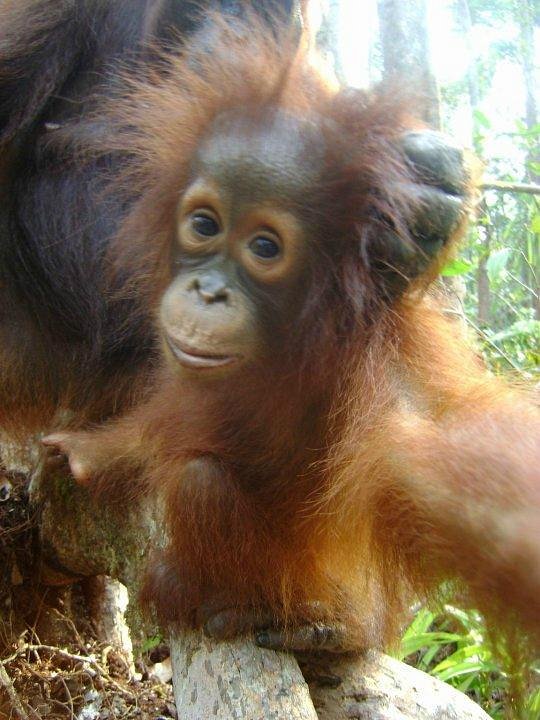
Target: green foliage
455	267
481	119
496	264
501	260
452	647
489	12
150	643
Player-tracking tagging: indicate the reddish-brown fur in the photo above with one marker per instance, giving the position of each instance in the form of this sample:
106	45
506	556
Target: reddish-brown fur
378	456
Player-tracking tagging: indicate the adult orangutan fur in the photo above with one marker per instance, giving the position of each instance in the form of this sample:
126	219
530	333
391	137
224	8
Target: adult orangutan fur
69	352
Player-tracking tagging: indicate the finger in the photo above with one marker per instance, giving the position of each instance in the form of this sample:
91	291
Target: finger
437	215
56	461
62	444
55	440
80	470
230	622
313	637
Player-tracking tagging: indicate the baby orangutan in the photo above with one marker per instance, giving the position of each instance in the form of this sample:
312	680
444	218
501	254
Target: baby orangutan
326	445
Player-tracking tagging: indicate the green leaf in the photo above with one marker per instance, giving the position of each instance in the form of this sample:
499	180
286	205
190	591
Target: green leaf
429	656
496	263
535	222
481	119
521	328
464	668
525	131
421	623
533	703
423	640
456	267
468	653
469	659
151	643
468	618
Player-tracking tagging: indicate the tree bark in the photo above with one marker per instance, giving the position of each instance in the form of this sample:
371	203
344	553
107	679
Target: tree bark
483	310
405	47
526	18
239	680
82	536
374	686
236	679
462	17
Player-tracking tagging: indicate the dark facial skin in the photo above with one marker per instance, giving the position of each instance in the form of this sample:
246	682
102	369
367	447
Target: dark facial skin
241	248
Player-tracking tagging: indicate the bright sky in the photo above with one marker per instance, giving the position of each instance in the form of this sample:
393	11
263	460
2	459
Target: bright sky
358	29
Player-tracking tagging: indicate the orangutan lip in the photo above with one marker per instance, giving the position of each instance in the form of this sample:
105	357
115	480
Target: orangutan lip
192	358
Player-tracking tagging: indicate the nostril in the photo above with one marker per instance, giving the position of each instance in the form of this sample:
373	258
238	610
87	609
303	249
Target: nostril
222	294
209	289
207	295
213	294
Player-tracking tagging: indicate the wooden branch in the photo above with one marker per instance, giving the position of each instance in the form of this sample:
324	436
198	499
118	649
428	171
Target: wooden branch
237	680
374	686
17	706
528	188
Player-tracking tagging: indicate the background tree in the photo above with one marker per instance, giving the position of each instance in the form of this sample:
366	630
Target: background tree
406	56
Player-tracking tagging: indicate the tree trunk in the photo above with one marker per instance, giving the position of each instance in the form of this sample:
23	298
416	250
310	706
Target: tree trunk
327	37
525	16
405	47
525	11
483	310
463	20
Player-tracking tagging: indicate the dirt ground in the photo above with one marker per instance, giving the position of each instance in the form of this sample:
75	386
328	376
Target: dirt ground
51	664
88	683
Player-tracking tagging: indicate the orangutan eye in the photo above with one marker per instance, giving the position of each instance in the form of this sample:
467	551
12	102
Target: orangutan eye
204	225
264	247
